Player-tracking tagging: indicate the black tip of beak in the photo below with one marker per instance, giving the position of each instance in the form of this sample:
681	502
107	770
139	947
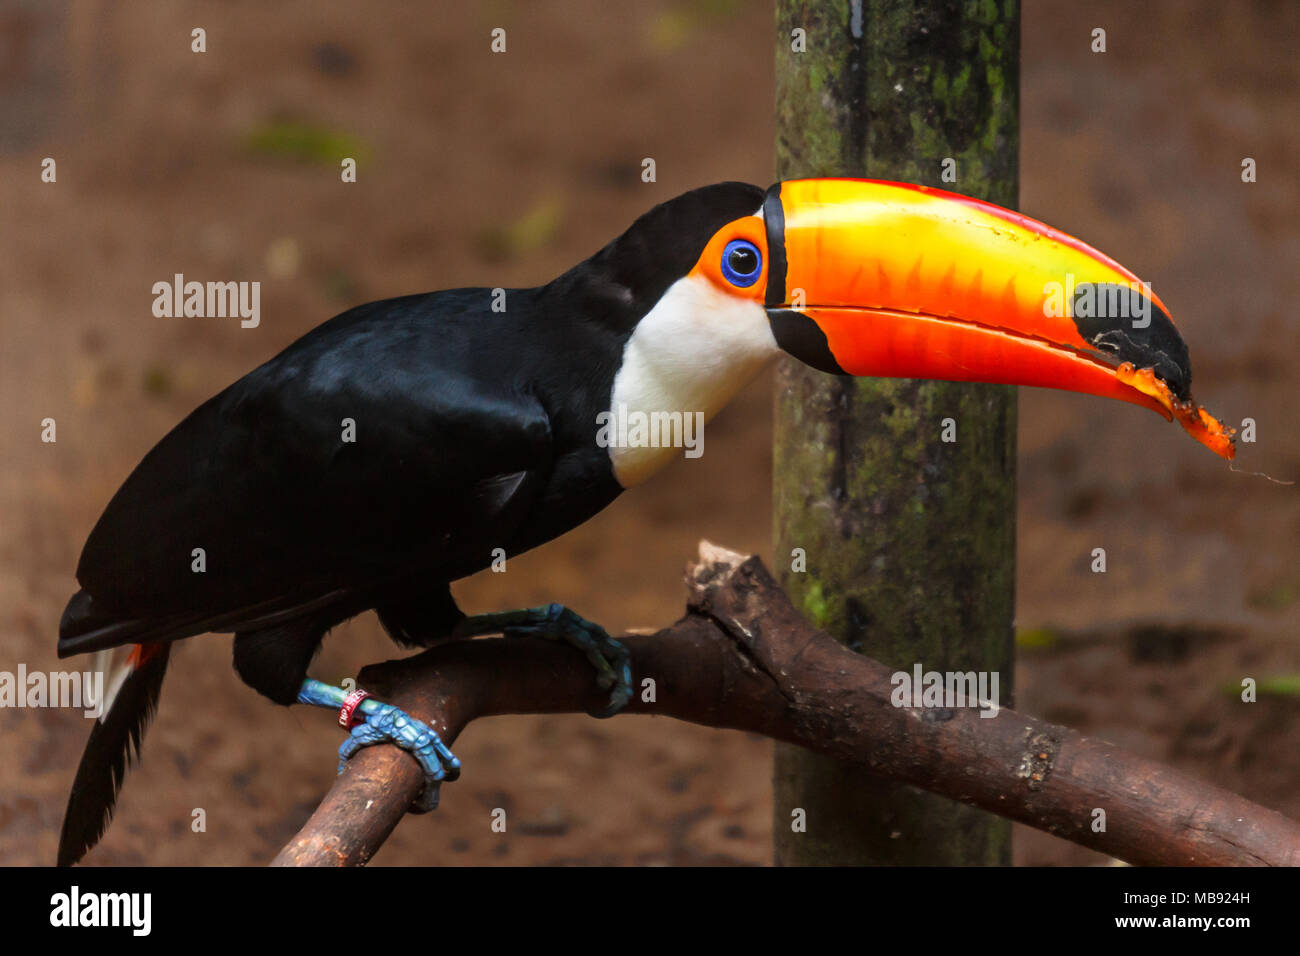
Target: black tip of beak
1127	324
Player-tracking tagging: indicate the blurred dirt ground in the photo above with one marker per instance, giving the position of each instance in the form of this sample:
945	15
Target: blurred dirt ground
483	169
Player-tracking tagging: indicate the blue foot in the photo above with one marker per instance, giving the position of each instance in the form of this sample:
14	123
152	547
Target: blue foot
383	723
555	622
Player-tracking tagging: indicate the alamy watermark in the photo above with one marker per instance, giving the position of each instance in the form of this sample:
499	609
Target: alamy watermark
946	689
213	300
133	911
74	689
1098	300
621	428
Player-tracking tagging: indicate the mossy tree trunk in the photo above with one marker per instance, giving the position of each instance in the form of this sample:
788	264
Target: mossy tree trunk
909	539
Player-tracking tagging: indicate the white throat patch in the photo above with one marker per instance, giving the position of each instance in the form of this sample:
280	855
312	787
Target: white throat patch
691	353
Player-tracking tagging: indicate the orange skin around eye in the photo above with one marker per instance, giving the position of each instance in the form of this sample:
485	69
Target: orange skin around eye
709	264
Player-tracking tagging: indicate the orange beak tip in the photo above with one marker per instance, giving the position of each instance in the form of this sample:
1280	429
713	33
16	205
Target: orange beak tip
1212	433
1198	423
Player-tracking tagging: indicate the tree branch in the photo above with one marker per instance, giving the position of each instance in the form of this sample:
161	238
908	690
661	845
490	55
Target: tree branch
744	658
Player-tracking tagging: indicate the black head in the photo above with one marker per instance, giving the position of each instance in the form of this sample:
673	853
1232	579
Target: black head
632	273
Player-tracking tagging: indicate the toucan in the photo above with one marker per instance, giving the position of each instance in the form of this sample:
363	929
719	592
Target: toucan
403	444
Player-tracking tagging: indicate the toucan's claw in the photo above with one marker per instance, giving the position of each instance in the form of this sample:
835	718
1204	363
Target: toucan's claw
555	622
380	723
385	723
609	657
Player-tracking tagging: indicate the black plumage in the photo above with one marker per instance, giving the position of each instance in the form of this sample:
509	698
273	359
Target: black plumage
474	430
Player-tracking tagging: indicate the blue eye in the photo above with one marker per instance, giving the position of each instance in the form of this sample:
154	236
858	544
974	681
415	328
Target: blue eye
741	262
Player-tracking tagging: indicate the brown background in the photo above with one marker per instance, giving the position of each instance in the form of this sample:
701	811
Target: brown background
505	169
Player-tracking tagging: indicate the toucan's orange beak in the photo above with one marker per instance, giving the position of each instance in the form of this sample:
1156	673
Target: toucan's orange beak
887	279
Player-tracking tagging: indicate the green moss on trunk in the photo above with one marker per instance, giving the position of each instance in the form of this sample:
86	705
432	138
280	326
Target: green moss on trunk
909	540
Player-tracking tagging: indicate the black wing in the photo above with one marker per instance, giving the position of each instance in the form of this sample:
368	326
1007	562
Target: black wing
446	458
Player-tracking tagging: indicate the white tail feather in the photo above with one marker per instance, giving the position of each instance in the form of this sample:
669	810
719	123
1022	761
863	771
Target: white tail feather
114	677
